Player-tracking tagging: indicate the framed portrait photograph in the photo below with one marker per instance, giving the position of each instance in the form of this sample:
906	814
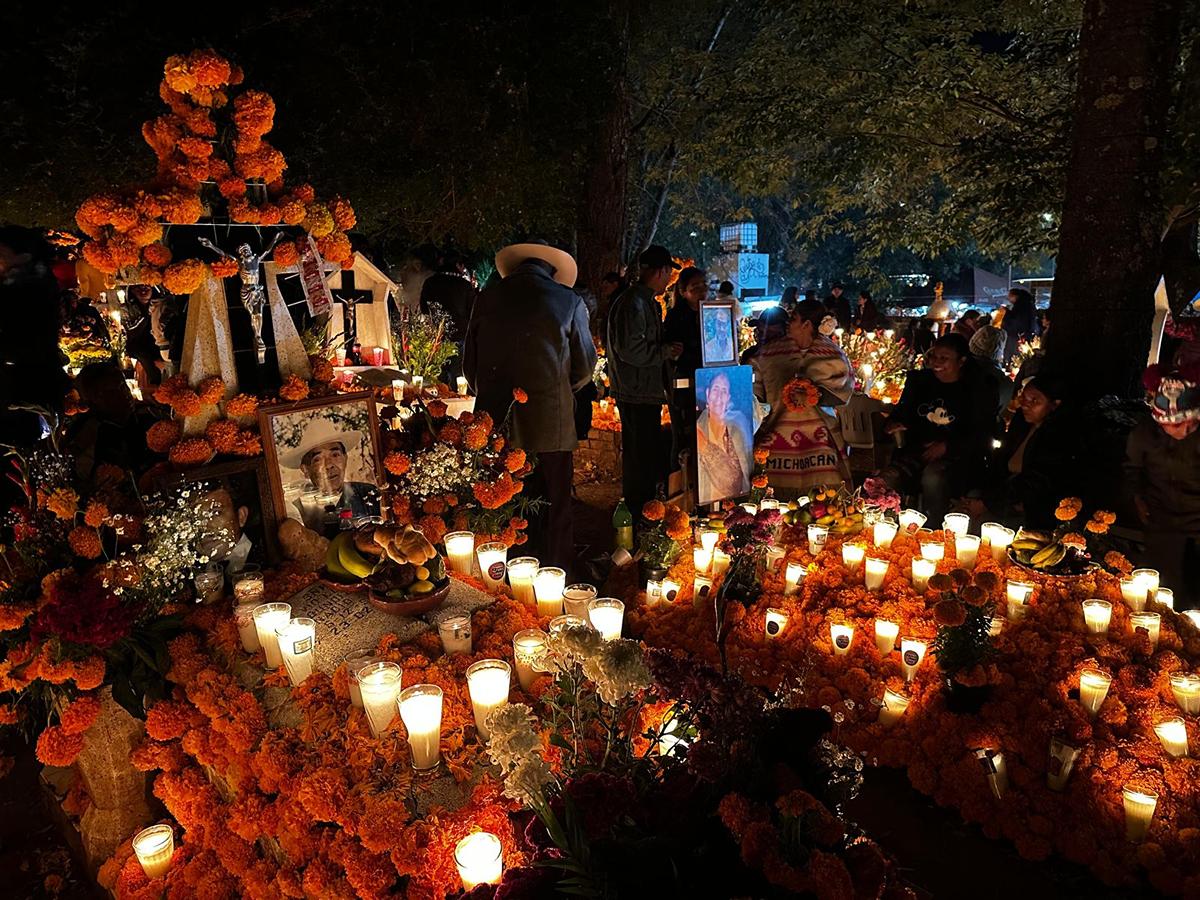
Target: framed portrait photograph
724	432
245	509
718	344
323	458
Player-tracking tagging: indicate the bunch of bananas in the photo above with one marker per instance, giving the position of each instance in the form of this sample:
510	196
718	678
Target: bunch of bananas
1039	550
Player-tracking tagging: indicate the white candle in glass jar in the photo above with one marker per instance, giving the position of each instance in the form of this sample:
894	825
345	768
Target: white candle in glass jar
841	637
297	642
558	623
607	615
1139	811
1093	688
355	661
529	646
911	520
1193	616
817	537
521	572
653	591
998	538
1018	594
418	383
548	584
934	550
421	712
1165	597
243	615
852	556
669	590
775	622
966	550
922	570
576	598
1172	734
884	532
460	551
267	618
956	523
379	685
1186	689
875	571
911	653
462	385
885	635
154	847
1096	615
793	575
492	566
479	859
1148	579
893	707
720	563
709	538
455	632
1133	592
775	555
701	560
398	389
1149	622
248	587
701	587
487	682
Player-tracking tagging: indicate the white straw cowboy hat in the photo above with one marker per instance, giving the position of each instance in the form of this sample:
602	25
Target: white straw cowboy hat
321	431
565	268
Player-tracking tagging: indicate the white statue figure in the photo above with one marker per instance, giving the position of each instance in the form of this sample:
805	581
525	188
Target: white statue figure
254	296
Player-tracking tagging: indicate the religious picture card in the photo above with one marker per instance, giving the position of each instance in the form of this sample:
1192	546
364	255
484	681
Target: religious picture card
323	459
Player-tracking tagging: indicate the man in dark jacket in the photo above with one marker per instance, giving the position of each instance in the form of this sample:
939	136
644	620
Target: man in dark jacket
530	331
838	305
637	365
450	289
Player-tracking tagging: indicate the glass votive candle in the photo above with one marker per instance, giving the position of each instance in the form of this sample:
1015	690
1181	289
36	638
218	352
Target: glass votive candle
669	590
885	635
792	576
418	383
701	560
966	550
935	550
1096	615
566	620
720	562
462	385
841	636
775	556
1018	594
243	616
455	632
654	587
607	615
893	707
492	566
911	653
1062	761
210	585
1093	688
379	685
922	570
398	386
268	617
875	570
852	556
884	532
998	538
1186	688
460	551
529	646
421	712
817	537
248	586
297	640
521	573
1193	616
355	661
1148	622
1165	597
775	622
576	598
1149	580
154	847
1139	811
701	588
1172	734
1133	592
995	626
911	520
994	769
709	538
548	584
956	523
487	682
479	859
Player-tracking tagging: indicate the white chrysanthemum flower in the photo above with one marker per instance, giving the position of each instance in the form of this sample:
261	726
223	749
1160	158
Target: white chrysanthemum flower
617	670
513	736
527	782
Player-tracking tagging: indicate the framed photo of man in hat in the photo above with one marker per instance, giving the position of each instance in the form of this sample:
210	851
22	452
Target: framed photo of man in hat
323	459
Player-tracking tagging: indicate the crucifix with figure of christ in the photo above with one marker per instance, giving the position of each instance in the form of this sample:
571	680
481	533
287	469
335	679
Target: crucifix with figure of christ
350	297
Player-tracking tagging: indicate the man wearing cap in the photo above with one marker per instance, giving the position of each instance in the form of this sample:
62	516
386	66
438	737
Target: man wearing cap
530	331
323	456
638	371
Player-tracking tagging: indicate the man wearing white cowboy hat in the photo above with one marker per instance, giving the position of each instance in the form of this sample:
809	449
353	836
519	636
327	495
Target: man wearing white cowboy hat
530	331
322	454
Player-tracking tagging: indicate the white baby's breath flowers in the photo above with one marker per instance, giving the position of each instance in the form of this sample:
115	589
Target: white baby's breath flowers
441	469
618	670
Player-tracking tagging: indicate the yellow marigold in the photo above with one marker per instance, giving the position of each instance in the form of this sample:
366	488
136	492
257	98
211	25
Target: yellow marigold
85	542
241	405
396	463
294	388
63	502
185	276
654	511
318	221
95	515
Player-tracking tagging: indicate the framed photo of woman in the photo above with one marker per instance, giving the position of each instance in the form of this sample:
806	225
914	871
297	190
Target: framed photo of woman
724	432
323	458
718	343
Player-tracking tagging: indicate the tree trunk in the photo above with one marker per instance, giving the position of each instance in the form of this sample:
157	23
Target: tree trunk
602	218
1108	258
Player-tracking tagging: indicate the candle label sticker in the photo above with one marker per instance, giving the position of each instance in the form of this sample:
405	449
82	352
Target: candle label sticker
911	657
842	641
496	571
702	590
302	646
773	626
671	594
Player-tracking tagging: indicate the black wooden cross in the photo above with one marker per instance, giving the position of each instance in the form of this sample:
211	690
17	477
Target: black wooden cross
350	298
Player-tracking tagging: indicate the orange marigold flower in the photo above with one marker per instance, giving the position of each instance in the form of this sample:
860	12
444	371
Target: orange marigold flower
286	254
450	434
476	438
434	506
436	408
223	435
294	388
654	511
761	454
80	714
1103	515
1117	561
8	715
343	213
241	405
800	394
55	747
950	613
185	276
157	255
85	542
161	435
520	396
191	452
497	444
95	515
759	481
248	443
1096	527
89	674
211	390
1074	539
514	459
63	502
322	370
396	462
1065	513
224	267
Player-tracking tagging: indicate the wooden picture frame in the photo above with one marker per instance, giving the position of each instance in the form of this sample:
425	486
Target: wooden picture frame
718	333
292	431
262	529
